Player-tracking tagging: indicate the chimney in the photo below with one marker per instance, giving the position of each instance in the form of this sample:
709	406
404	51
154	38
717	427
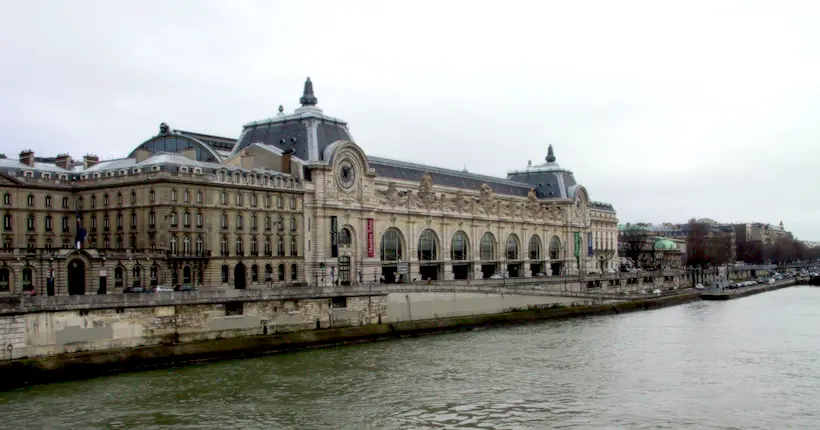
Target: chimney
27	157
63	161
246	160
90	160
141	154
286	161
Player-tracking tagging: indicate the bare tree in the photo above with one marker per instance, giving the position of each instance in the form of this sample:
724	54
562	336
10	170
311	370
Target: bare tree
632	242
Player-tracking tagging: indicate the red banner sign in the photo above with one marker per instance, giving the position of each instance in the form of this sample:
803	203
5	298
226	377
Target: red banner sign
371	247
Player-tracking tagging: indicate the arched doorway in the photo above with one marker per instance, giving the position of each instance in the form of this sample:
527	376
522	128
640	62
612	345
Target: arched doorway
186	275
555	255
76	277
428	256
391	256
239	276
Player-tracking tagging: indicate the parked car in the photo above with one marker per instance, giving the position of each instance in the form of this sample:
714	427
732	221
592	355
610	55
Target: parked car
184	287
161	289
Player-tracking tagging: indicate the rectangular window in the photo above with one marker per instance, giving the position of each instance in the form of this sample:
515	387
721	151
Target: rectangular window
293	203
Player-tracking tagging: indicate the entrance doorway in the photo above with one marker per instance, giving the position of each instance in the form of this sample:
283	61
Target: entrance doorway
239	276
535	268
76	277
487	270
186	275
513	270
344	270
389	274
461	271
556	269
429	272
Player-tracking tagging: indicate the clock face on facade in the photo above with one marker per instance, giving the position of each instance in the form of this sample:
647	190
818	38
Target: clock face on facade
347	174
579	206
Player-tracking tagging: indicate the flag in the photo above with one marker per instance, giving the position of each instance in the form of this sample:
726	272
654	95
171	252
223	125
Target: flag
79	235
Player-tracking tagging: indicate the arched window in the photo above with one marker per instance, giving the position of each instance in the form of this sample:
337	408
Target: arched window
344	237
7	222
268	272
199	246
30	200
105	199
555	248
427	246
186	245
239	249
137	275
512	247
294	247
48	201
154	275
391	249
268	250
151	196
254	249
173	243
5	279
294	272
118	282
30	223
225	272
224	222
460	250
28	279
487	247
535	248
239	221
281	272
48	222
7	199
280	247
254	273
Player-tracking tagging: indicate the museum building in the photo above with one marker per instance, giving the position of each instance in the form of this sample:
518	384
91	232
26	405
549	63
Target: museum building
293	200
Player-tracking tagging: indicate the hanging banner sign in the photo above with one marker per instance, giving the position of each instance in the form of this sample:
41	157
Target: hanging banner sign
371	246
589	244
334	242
577	235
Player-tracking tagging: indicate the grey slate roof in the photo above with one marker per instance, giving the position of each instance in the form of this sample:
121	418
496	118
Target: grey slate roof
405	171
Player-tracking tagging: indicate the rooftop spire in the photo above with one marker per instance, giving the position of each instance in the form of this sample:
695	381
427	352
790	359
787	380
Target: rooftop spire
550	155
308	99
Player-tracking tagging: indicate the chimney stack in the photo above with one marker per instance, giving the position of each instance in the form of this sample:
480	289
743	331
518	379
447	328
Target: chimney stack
90	160
63	161
27	157
286	161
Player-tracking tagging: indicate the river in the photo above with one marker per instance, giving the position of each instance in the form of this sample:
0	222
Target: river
749	363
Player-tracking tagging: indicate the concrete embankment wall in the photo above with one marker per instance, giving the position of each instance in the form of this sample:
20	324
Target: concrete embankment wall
83	364
424	305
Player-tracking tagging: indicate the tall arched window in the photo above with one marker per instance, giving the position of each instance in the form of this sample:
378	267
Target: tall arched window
239	249
199	246
5	279
7	222
254	249
186	275
427	246
391	249
294	272
254	273
137	275
268	272
512	247
487	247
28	279
281	272
535	248
555	248
154	275
225	272
459	247
118	281
345	237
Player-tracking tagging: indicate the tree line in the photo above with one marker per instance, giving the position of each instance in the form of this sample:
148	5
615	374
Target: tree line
711	246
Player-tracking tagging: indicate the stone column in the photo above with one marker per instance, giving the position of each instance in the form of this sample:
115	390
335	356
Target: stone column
526	268
448	271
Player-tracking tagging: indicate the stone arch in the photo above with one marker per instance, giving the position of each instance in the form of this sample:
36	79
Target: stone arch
486	247
392	245
338	149
460	246
555	248
347	232
239	276
428	246
6	279
512	247
535	248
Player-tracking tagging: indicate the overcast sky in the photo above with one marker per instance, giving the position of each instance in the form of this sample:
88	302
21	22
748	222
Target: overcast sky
706	109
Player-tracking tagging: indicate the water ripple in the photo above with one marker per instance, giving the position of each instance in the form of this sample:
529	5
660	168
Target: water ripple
744	364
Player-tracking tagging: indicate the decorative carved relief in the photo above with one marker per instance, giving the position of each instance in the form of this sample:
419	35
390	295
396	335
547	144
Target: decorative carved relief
460	203
391	196
486	201
426	197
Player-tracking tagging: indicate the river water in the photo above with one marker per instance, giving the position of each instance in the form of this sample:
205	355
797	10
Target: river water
750	363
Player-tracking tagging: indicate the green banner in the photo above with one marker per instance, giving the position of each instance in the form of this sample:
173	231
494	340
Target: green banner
577	244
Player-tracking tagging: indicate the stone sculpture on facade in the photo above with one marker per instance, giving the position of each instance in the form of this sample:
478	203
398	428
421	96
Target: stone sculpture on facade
390	196
426	196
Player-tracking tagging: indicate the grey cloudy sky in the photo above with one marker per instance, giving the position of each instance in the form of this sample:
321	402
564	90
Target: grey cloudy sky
667	110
